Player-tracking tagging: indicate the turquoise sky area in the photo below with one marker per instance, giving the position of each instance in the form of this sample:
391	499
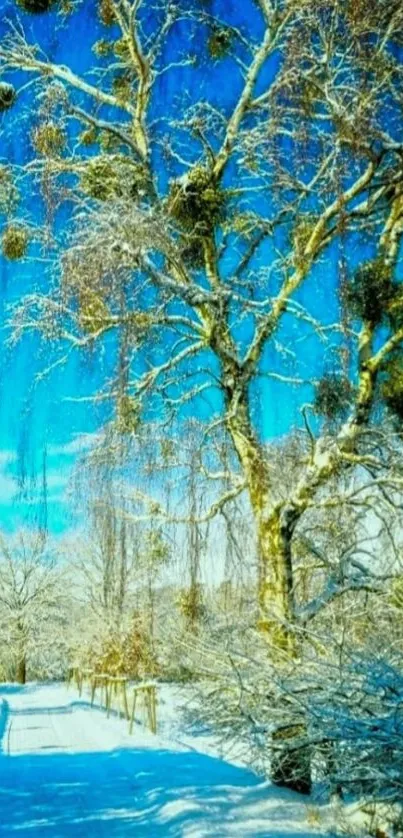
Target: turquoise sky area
38	421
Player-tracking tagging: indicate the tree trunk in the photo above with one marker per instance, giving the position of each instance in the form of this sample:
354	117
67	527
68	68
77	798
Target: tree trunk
276	600
21	666
21	669
274	529
290	763
275	524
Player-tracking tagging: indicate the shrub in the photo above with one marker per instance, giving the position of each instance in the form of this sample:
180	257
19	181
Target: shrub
125	652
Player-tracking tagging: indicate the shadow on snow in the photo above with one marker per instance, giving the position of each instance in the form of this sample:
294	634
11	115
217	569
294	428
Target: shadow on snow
131	790
140	792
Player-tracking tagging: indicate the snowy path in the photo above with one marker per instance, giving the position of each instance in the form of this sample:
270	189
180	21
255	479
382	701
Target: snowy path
67	770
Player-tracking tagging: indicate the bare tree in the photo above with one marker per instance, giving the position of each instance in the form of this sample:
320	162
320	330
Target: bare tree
32	602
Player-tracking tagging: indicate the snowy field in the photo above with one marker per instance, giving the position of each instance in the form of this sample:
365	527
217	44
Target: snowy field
65	769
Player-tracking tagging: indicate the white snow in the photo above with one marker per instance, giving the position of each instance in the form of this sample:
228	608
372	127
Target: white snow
65	769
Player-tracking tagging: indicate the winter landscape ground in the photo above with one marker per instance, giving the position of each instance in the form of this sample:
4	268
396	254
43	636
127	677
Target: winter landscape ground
65	769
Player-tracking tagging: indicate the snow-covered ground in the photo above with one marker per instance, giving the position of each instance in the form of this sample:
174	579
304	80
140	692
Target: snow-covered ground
65	769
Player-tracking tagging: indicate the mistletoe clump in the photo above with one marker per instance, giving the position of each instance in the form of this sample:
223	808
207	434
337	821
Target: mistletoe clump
7	96
49	139
121	48
100	179
93	313
102	48
197	201
370	292
88	137
333	396
106	12
108	177
219	42
14	242
36	7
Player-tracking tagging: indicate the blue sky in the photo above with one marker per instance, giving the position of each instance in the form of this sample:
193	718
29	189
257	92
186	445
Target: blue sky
39	415
36	415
